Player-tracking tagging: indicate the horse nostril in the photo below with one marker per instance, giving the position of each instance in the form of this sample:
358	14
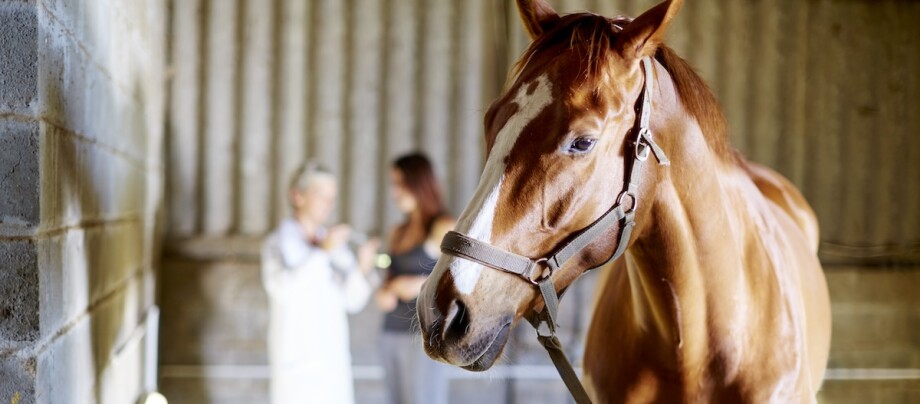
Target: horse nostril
457	321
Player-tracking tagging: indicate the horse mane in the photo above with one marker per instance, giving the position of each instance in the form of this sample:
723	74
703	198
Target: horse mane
596	35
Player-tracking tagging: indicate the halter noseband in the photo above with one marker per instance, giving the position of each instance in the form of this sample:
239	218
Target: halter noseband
539	271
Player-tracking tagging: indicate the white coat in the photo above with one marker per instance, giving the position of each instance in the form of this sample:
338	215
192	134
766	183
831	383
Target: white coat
310	293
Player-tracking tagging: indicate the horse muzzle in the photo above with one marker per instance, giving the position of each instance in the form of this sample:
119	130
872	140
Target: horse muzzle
455	333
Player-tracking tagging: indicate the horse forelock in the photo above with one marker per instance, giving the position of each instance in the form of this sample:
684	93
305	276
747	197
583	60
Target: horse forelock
593	37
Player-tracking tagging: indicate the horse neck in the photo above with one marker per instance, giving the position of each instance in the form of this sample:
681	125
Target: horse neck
689	249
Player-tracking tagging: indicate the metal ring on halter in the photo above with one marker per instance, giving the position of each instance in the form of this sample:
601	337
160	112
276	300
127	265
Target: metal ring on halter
631	195
544	272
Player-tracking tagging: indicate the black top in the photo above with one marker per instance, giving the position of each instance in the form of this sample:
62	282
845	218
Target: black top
413	262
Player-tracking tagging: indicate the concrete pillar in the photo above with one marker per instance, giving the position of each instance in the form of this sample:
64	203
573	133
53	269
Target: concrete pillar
763	100
822	180
860	125
401	71
792	151
436	99
364	119
258	103
80	167
184	120
292	104
468	146
733	68
221	116
328	77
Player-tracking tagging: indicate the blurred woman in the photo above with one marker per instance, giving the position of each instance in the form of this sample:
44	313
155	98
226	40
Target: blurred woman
412	377
312	280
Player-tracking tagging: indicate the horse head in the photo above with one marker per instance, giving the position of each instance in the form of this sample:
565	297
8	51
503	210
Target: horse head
558	141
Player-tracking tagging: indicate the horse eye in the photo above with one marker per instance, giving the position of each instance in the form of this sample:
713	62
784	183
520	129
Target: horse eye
582	145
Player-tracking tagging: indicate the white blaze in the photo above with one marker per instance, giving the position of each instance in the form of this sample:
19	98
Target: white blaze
476	220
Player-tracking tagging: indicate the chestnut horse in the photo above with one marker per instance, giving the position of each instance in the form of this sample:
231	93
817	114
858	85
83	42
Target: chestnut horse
719	296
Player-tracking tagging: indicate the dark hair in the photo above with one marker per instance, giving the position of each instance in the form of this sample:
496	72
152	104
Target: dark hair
423	184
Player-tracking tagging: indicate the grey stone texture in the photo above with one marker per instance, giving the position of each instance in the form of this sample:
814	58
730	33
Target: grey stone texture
16	380
19	174
18	57
82	101
19	321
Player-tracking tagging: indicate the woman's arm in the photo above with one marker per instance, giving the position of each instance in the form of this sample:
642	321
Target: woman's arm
406	287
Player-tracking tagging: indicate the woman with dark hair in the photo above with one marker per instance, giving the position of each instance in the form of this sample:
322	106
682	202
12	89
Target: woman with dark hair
412	377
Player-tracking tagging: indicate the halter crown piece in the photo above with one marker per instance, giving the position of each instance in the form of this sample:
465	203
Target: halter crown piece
540	271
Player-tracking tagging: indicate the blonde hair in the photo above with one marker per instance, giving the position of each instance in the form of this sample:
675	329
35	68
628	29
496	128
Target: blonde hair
307	174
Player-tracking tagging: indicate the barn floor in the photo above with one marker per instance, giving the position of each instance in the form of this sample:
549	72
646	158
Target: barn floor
213	322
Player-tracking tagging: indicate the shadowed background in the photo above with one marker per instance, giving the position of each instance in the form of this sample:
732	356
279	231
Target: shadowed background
826	92
130	125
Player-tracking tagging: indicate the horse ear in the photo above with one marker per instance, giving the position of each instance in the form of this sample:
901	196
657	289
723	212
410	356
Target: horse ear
641	37
537	15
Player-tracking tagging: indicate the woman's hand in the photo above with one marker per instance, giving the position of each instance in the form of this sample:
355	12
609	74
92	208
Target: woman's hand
385	300
366	255
406	287
336	237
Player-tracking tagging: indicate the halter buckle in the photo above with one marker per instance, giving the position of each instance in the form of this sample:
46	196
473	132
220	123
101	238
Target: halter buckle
642	147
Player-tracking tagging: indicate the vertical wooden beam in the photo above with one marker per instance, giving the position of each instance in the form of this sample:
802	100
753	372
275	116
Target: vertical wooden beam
467	145
823	179
184	114
255	152
436	76
733	69
792	154
292	103
762	91
220	129
400	105
328	78
364	121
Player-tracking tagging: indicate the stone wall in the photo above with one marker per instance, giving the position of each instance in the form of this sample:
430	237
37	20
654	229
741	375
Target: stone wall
82	102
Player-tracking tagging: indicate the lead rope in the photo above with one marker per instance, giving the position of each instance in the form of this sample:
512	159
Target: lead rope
545	322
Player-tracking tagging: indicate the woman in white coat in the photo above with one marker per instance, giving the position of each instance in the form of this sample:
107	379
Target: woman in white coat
312	280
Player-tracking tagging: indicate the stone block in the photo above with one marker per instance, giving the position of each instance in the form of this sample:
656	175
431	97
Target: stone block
214	313
19	174
87	88
84	180
98	359
80	267
18	57
869	391
876	317
17	380
19	310
224	391
62	70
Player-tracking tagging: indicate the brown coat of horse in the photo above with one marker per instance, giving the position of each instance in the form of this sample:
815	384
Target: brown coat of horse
720	296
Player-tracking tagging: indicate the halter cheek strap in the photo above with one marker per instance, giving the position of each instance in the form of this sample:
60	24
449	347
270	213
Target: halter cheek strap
540	271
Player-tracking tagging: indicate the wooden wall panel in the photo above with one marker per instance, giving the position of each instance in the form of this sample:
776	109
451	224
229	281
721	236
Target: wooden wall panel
825	91
220	116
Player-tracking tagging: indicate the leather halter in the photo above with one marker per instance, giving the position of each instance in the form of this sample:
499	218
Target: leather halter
539	271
